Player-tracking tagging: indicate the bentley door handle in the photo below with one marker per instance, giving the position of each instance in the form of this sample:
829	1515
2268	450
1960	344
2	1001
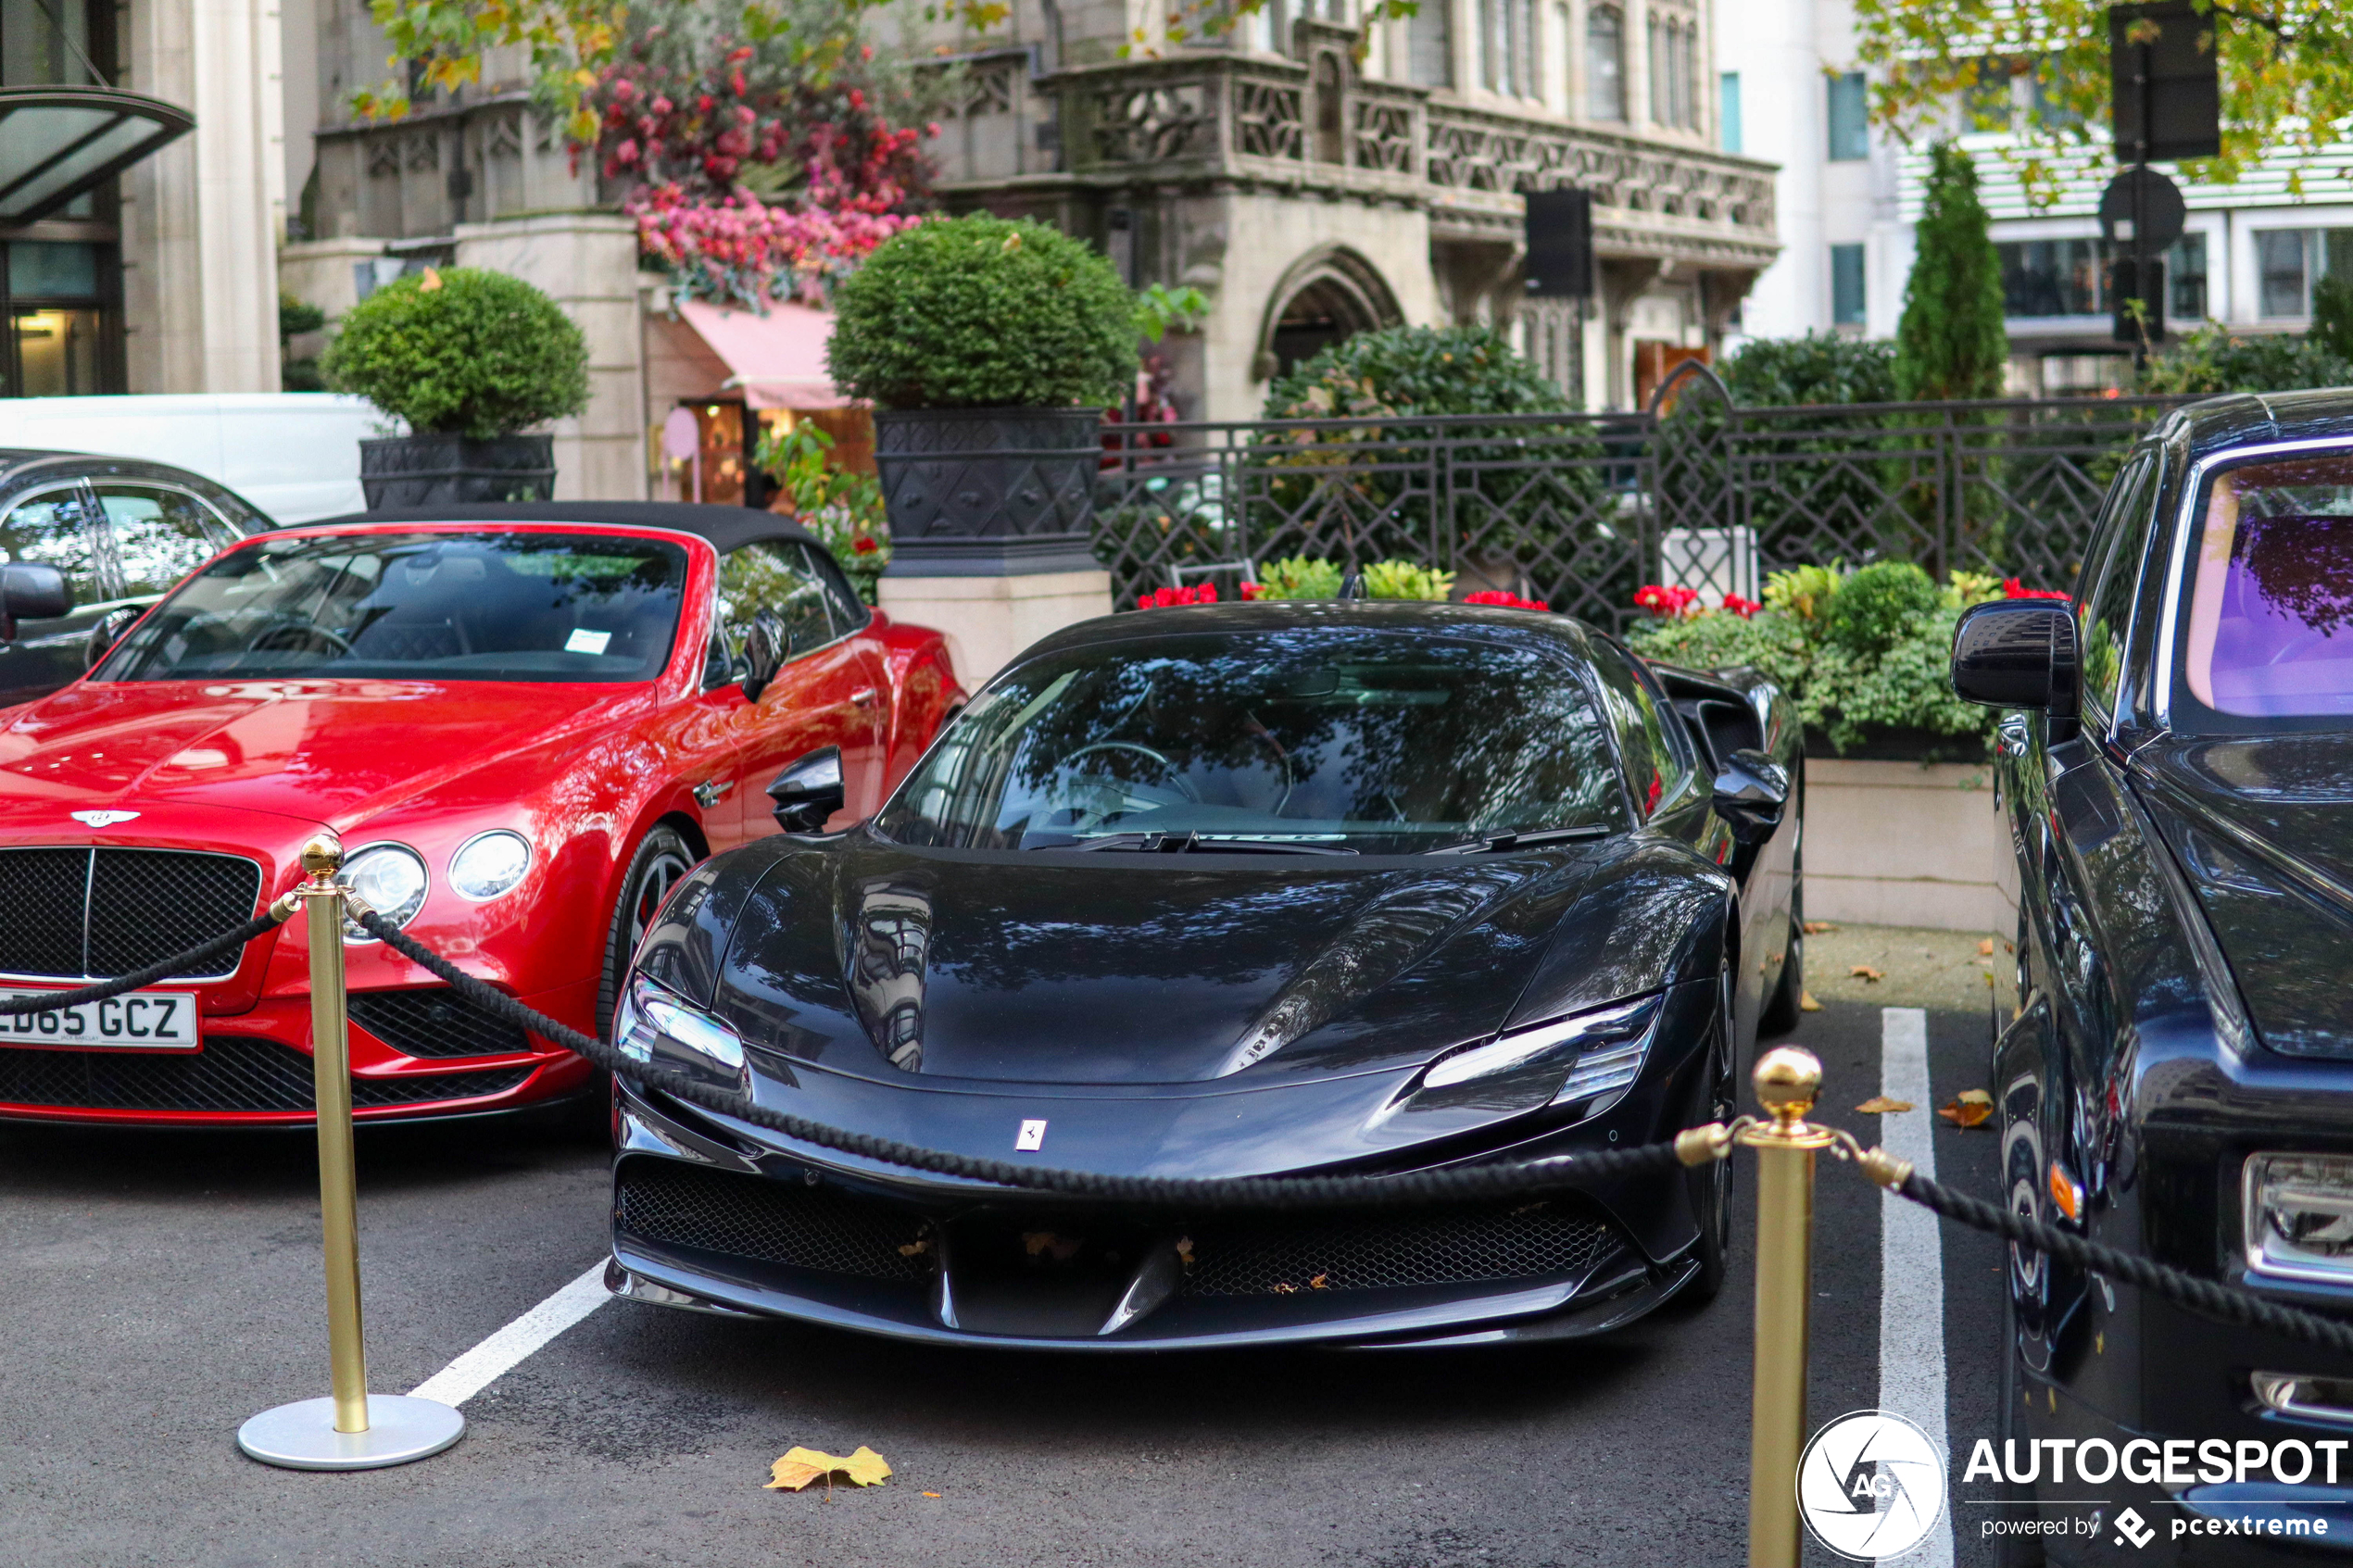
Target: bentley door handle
864	696
708	793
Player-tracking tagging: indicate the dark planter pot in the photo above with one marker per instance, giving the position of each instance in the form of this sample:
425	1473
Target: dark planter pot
431	471
1887	743
988	492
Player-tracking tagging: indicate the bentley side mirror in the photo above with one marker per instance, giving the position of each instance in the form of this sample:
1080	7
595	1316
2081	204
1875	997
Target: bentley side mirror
765	649
808	790
2020	653
1751	794
30	590
108	632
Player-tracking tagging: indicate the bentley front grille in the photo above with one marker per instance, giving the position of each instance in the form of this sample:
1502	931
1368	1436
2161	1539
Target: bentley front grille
94	913
232	1073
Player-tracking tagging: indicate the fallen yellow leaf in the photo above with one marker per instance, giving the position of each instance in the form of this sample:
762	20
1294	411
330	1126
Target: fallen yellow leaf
1880	1105
1972	1108
1805	1003
801	1466
1985	948
432	281
931	1494
1816	927
1866	972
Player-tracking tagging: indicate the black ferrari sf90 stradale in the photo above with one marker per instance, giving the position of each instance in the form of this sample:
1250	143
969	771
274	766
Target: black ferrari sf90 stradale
1258	890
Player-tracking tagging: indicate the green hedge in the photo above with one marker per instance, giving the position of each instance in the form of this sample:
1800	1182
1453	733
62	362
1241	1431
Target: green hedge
464	351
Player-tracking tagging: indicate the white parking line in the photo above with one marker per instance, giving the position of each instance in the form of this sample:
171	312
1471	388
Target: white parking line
497	1355
1911	1294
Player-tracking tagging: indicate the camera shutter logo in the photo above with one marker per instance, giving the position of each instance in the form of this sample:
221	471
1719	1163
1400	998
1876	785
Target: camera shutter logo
1871	1485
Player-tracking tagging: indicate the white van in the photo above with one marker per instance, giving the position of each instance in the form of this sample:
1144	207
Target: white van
294	454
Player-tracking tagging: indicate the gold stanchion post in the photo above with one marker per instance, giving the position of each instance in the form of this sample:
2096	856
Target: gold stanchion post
1787	1081
351	1429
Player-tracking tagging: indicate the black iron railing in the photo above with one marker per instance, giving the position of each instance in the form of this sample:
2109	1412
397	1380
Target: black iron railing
1581	510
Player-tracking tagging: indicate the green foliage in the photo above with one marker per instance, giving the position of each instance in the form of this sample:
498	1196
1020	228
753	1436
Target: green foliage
467	352
296	316
1407	579
2212	361
982	313
1160	310
1878	607
1950	343
1817	368
1300	577
1771	642
2333	315
1416	371
1803	591
845	509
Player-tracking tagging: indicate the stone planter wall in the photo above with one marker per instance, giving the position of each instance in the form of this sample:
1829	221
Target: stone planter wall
1908	844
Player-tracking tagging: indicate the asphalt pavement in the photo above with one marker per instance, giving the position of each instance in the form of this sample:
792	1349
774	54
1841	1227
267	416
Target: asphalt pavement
159	1288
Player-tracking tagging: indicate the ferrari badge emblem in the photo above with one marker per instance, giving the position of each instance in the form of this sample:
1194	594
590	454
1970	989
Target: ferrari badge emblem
1031	1136
101	819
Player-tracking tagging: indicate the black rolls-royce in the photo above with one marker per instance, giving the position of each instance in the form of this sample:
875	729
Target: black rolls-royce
1232	891
2178	1079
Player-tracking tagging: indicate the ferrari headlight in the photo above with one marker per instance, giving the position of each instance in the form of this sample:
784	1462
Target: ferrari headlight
2300	1216
489	864
1600	1050
391	879
658	1027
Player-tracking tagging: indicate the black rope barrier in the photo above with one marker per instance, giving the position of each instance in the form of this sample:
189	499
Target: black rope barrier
1516	1179
2208	1298
162	969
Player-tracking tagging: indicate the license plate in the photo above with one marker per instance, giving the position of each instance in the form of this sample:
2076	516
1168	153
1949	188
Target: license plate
135	1020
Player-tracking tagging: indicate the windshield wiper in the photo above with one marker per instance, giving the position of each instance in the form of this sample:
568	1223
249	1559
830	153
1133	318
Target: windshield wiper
1496	844
1198	843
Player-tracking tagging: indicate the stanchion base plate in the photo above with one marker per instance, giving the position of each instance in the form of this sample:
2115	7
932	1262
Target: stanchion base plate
303	1437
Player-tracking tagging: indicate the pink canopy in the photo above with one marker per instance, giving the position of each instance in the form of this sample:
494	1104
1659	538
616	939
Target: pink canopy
778	359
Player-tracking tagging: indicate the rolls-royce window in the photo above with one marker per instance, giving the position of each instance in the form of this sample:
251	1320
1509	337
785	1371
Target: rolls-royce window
2270	629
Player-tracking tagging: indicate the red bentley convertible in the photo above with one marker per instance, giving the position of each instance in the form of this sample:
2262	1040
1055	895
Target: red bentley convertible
526	722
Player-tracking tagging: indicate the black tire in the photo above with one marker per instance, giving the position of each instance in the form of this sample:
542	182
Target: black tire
664	856
1784	1007
1712	1182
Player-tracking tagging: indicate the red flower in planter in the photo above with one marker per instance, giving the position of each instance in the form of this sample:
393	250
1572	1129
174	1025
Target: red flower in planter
1251	590
1161	598
1509	601
863	545
2013	589
1741	607
1667	603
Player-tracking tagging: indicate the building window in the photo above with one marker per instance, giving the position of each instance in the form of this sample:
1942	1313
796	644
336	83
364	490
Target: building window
62	294
1507	44
1849	125
2279	264
2053	277
1671	56
2185	278
1429	45
1605	63
1728	111
1847	285
1987	103
2049	112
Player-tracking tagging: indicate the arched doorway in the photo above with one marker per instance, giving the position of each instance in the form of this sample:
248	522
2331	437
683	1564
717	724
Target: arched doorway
1328	295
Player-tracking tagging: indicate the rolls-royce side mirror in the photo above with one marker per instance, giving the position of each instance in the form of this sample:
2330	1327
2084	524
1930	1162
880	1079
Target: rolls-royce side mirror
108	632
808	790
764	650
1751	794
2020	653
30	590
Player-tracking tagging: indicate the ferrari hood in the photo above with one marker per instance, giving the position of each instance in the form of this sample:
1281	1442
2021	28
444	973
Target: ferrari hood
331	751
2263	827
1064	969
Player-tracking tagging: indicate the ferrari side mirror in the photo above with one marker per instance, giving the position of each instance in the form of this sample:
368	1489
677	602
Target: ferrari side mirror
30	590
1751	794
2019	653
108	632
764	651
808	790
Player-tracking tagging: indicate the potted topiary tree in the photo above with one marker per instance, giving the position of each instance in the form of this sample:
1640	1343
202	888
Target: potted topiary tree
469	357
988	349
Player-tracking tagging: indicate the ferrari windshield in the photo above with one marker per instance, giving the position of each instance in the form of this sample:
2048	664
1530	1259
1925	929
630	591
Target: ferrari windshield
426	605
1302	739
2270	631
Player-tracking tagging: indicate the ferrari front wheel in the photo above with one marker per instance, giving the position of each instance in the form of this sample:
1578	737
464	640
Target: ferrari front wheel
1712	1182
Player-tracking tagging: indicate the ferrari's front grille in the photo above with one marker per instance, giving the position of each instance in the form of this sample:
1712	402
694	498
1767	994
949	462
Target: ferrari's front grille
232	1073
1282	1256
434	1020
94	913
671	1202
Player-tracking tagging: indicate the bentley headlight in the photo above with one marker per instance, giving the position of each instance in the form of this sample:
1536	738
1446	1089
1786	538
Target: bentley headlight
1599	1053
489	864
391	879
2300	1216
656	1026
